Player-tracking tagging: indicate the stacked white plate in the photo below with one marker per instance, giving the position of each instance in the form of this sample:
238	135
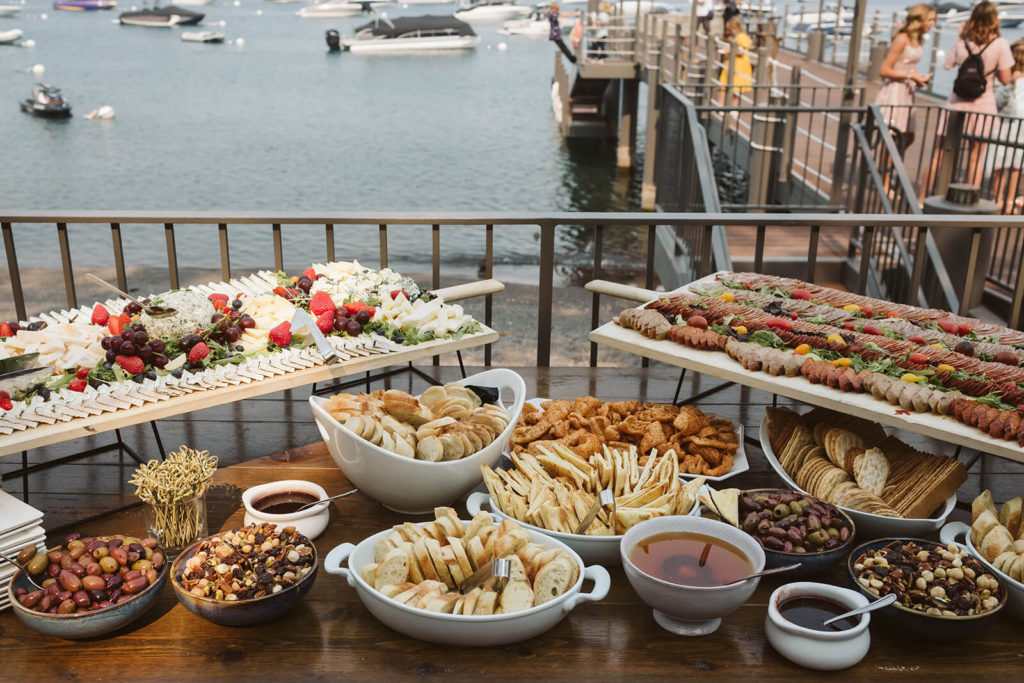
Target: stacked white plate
20	525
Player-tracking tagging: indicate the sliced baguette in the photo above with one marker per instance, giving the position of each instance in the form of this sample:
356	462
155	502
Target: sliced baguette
368	571
390	591
425	592
469	605
423	559
479	521
444	603
415	571
486	603
460	555
475	551
394	568
553	579
516	597
434	548
452	565
539	560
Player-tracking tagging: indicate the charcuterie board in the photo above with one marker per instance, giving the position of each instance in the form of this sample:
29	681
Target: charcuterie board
717	364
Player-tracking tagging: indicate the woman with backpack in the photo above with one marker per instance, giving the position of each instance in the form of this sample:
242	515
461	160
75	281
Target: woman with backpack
901	78
981	55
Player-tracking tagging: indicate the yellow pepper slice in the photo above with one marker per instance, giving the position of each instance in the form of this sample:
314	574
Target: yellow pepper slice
937	346
835	339
727	296
842	362
943	366
802	349
911	377
740	329
851	307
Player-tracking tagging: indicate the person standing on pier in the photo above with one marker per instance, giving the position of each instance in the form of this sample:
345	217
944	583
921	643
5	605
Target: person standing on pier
555	34
705	13
731	10
1008	160
743	72
901	78
982	55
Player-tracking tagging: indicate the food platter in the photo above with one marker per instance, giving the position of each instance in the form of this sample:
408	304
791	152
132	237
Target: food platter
868	525
714	363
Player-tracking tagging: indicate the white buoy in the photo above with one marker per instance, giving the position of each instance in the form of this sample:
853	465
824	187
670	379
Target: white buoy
28	43
43	16
502	47
237	3
259	13
38	70
240	42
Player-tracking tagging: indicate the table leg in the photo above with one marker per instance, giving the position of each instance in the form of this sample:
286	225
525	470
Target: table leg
159	441
462	368
24	475
679	386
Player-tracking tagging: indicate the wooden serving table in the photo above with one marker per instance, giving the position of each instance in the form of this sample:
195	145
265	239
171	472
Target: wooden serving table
331	635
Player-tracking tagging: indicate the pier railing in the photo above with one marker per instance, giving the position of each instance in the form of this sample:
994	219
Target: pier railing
329	227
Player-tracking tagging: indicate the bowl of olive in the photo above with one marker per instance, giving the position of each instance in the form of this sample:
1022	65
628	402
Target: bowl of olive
794	527
90	586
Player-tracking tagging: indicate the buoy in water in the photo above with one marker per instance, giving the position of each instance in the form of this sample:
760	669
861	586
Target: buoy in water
104	113
502	47
43	16
237	3
28	43
38	70
240	42
259	13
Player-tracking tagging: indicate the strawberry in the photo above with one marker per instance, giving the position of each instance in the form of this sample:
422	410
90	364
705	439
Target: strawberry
100	316
133	365
310	273
849	325
6	404
892	314
326	322
963	328
396	292
4	394
5	330
115	324
198	352
281	291
871	329
282	334
218	297
918	358
917	340
321	303
868	313
947	326
219	304
77	385
83	373
801	294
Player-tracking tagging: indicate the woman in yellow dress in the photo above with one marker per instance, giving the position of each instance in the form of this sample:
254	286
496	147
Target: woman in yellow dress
743	72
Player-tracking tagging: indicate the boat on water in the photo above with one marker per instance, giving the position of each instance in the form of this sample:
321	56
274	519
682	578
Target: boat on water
11	37
1011	14
202	37
9	10
47	102
161	17
536	25
195	3
491	10
339	8
407	34
83	5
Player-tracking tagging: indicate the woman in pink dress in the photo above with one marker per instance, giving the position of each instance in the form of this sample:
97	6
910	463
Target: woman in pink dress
980	35
902	78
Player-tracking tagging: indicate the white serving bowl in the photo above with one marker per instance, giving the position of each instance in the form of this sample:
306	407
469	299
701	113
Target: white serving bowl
869	525
1014	589
603	550
691	610
416	486
458	629
821	650
310	522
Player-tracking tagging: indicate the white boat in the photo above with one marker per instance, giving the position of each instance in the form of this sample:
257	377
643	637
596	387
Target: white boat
491	10
161	17
411	34
536	25
202	37
338	8
194	3
9	10
10	37
425	2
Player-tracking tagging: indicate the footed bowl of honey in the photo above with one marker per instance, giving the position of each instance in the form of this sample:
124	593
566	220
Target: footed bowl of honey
683	567
279	501
795	625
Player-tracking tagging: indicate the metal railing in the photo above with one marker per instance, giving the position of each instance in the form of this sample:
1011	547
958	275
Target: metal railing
602	225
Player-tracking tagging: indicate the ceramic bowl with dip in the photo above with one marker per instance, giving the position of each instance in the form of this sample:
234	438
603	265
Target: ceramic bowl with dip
662	561
278	502
795	625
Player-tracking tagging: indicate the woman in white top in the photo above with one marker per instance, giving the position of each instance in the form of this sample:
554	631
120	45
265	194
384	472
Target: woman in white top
1008	160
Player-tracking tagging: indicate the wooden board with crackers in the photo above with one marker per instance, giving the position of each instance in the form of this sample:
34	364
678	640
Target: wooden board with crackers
852	463
704	444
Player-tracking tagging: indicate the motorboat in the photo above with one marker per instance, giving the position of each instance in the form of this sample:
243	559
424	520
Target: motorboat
202	37
9	10
46	102
195	3
536	25
829	22
491	10
407	34
161	17
11	37
83	5
1011	14
339	8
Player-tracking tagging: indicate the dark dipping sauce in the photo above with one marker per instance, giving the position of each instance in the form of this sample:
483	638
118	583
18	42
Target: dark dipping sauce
675	557
284	502
812	613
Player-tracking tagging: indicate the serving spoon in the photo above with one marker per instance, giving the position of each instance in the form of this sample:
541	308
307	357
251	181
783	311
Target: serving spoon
151	311
324	500
765	572
870	607
23	569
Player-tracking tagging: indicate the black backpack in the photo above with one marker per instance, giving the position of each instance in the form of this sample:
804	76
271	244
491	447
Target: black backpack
971	80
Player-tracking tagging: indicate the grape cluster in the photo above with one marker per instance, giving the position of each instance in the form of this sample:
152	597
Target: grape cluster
229	325
353	324
134	341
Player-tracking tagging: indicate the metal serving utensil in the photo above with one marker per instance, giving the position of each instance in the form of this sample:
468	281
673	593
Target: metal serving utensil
605	499
766	572
499	569
151	311
23	569
870	607
324	500
303	319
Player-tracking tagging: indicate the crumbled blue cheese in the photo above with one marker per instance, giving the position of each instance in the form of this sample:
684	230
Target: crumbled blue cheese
363	285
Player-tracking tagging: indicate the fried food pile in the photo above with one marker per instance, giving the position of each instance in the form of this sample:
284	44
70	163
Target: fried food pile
704	444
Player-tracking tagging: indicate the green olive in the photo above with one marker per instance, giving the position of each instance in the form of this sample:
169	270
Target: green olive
142	566
38	564
109	564
101	552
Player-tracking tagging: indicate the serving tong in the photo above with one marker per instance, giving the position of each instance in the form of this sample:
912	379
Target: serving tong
604	500
499	569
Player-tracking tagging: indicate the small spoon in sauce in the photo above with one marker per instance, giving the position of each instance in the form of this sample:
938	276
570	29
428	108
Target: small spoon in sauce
324	500
766	572
152	311
870	607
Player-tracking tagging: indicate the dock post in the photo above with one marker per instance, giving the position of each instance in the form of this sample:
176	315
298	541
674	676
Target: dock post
627	122
767	131
839	168
648	189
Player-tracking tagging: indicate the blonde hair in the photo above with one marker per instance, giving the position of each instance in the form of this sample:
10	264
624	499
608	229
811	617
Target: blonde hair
734	26
1017	48
983	26
553	7
916	16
